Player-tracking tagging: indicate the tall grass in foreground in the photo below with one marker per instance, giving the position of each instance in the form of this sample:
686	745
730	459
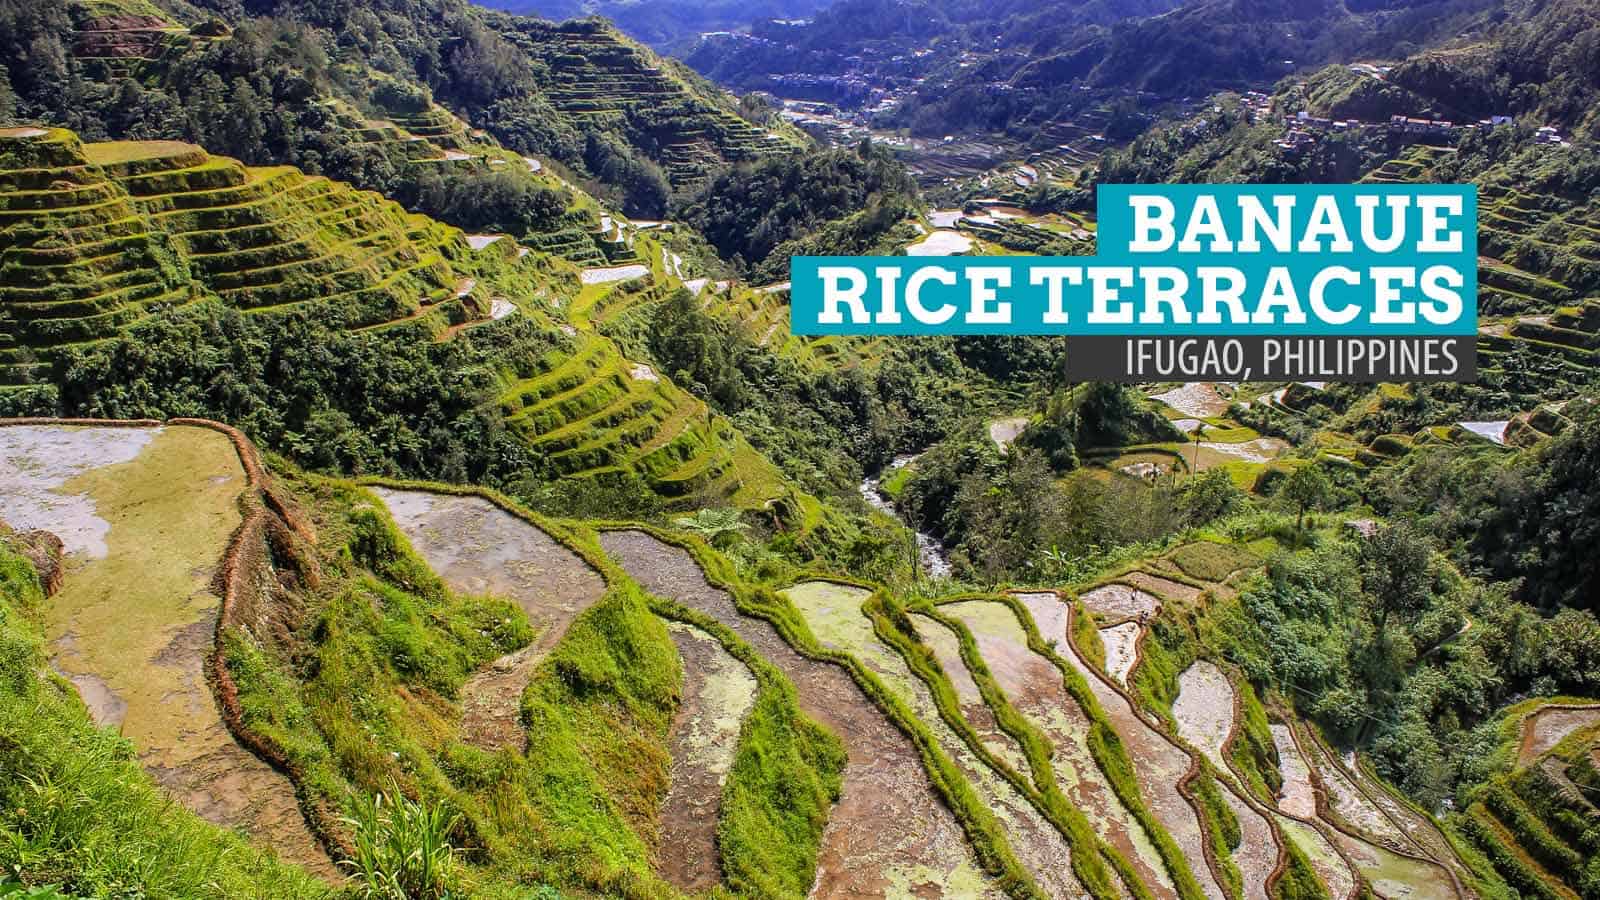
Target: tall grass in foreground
76	809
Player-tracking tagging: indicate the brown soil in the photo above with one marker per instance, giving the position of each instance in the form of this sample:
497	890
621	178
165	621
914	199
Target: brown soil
158	518
1035	688
1164	587
889	834
1160	764
717	692
44	551
1115	602
1543	730
479	548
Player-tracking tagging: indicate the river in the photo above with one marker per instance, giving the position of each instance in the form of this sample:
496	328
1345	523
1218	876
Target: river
931	553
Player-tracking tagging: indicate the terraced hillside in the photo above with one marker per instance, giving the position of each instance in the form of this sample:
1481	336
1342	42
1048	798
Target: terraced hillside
1533	820
103	236
1036	725
106	239
762	315
129	37
600	79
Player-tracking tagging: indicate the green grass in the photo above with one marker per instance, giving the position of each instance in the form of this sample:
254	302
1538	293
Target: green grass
786	774
1210	561
76	809
1222	826
392	646
896	482
1098	866
580	808
1299	880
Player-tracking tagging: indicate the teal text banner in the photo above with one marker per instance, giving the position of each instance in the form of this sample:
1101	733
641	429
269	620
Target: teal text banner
1353	260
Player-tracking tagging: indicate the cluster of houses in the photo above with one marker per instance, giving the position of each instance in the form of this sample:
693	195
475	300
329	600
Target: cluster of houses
1304	129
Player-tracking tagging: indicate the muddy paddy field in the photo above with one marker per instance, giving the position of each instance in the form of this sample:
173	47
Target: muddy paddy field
1035	688
718	690
479	548
833	613
145	515
889	835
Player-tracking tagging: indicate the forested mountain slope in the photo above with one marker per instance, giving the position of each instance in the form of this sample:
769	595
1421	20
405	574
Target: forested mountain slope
346	90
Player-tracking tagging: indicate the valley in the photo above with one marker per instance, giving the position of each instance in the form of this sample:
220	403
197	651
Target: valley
411	487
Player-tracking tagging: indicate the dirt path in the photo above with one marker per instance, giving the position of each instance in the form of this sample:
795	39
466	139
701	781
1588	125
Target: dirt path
146	515
1159	763
1034	686
833	613
1543	730
889	835
479	548
718	690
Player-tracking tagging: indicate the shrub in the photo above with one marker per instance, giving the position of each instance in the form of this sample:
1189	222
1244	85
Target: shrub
402	847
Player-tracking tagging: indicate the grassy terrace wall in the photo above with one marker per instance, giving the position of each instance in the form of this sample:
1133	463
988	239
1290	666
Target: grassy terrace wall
786	770
595	414
1533	822
106	237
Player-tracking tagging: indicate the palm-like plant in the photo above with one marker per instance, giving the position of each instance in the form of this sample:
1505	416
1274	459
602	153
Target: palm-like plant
717	526
403	849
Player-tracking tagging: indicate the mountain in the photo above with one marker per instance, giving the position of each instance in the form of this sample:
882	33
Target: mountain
665	25
350	105
411	487
955	67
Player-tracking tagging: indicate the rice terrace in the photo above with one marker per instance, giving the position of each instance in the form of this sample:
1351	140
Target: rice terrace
412	487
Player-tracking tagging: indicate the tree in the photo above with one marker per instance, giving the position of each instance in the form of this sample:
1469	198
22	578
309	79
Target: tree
1208	496
1307	487
1396	573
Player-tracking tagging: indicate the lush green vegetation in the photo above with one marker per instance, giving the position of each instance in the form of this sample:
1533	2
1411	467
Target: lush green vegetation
76	809
1500	516
749	211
